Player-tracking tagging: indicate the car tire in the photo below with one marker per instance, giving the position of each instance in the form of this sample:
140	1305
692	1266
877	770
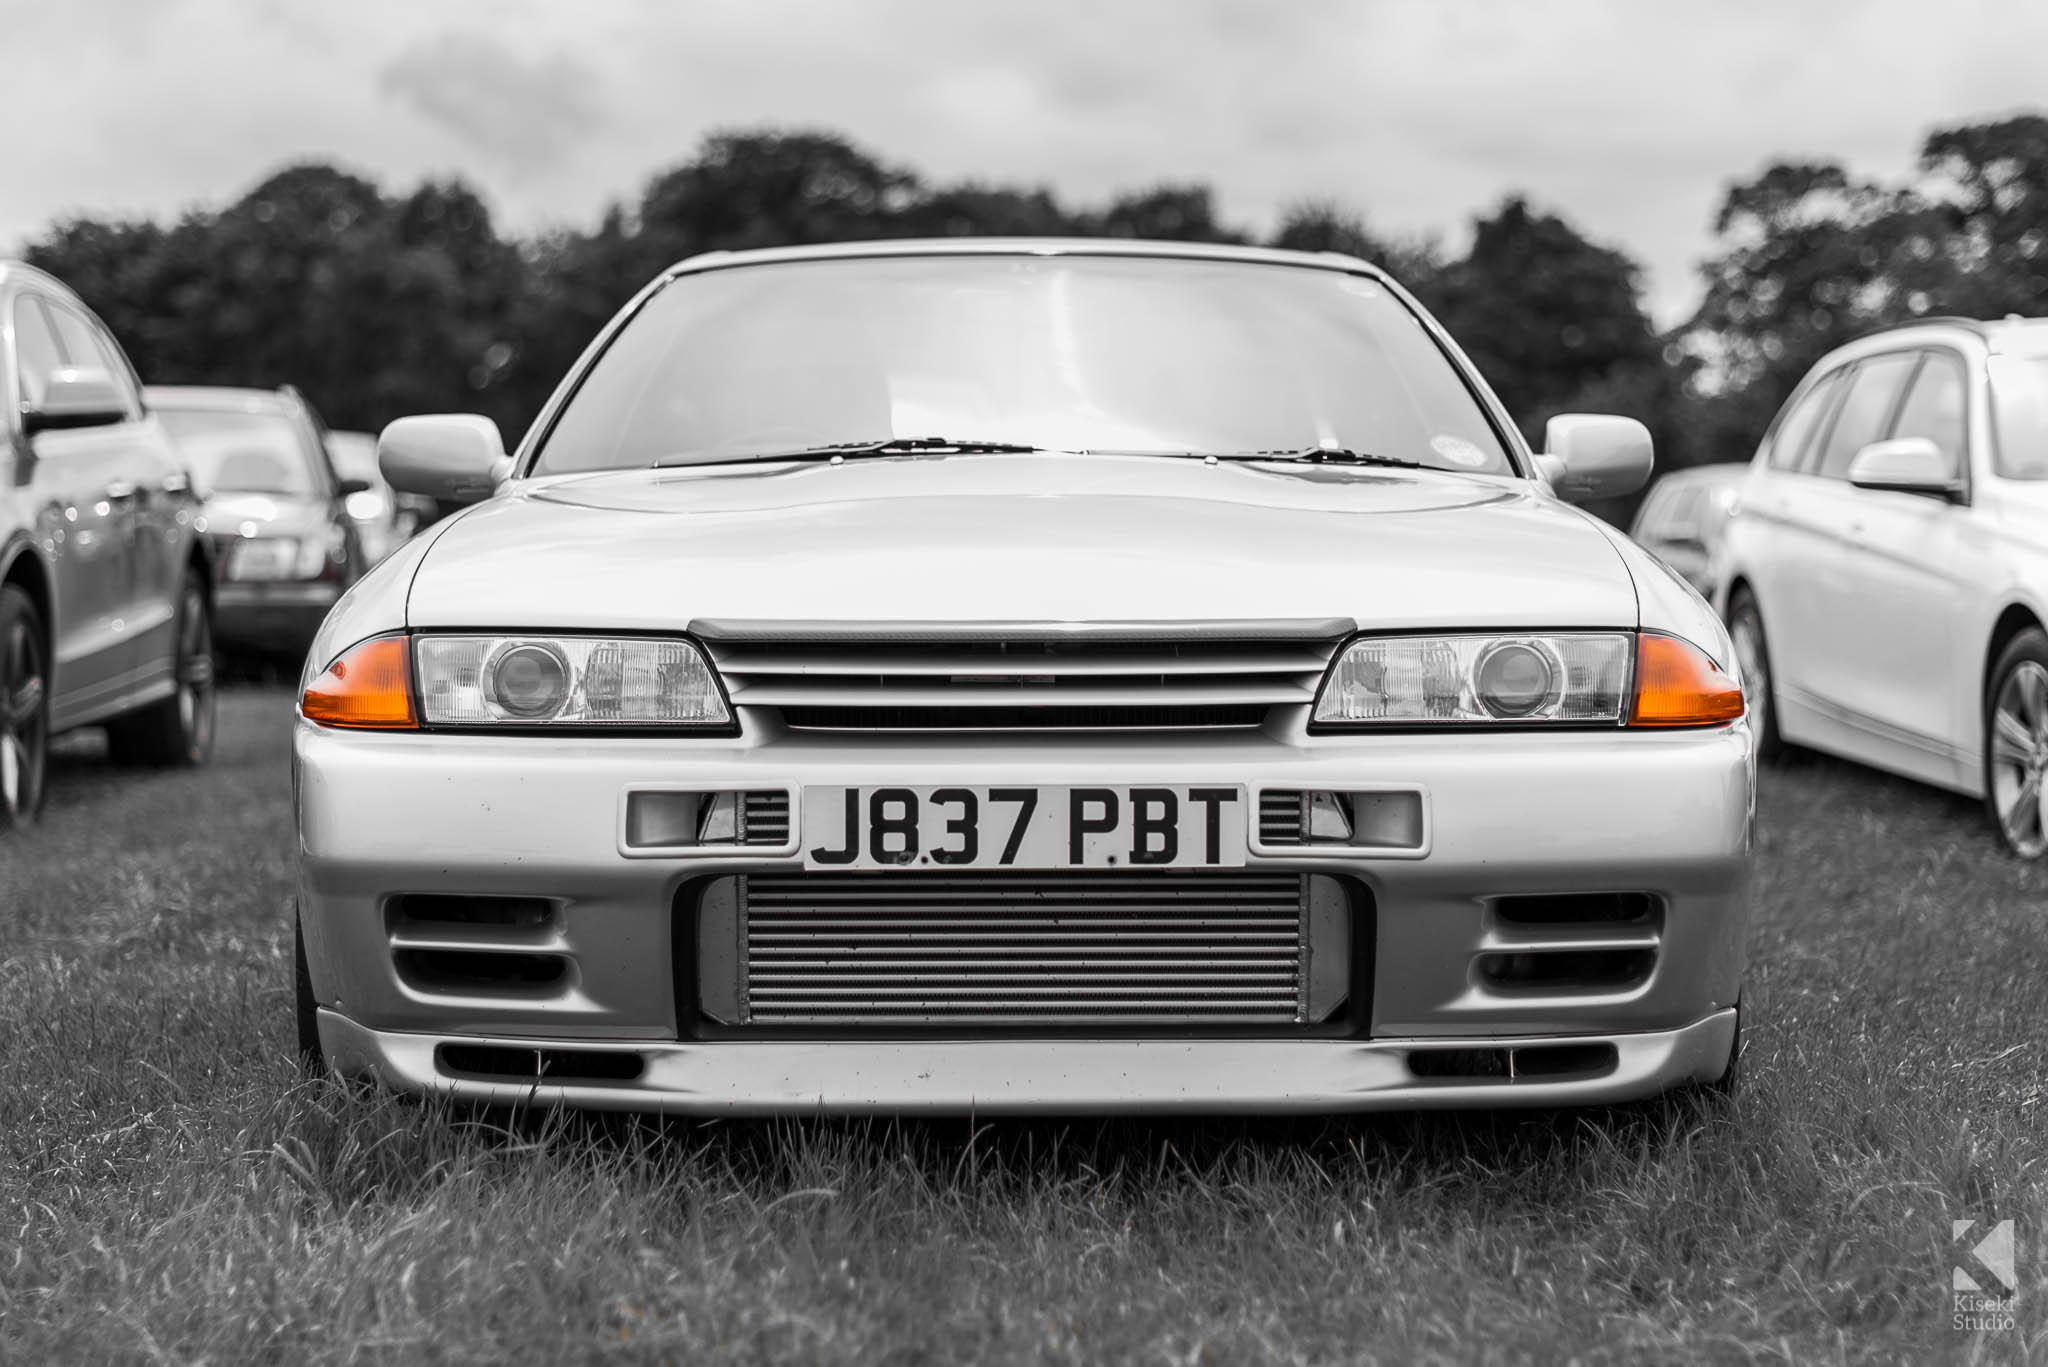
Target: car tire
24	710
312	1059
2016	744
1753	651
178	731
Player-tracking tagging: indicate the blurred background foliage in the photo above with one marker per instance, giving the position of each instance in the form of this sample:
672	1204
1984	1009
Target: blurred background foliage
378	305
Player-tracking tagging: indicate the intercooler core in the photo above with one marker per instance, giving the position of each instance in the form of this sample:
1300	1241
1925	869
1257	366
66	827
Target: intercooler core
1123	949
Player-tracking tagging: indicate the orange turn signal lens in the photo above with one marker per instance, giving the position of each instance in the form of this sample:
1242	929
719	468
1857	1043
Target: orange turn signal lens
368	688
1677	685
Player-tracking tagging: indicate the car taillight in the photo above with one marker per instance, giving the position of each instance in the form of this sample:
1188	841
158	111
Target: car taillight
369	687
1678	685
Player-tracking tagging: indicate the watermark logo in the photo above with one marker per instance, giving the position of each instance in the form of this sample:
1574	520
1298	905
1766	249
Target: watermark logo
1984	1284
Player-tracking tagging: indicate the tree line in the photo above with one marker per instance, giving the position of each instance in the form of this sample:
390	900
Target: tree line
379	304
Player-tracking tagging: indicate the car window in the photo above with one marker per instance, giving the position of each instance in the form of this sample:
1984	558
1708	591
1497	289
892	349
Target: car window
1682	517
36	354
1651	515
1934	406
1801	420
88	347
2019	416
1873	390
248	453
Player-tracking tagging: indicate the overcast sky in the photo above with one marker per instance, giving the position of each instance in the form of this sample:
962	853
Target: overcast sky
1628	116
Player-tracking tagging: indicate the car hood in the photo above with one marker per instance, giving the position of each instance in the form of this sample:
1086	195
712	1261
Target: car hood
1033	538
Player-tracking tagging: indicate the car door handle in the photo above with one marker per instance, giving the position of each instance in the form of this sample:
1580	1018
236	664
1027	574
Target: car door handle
176	483
121	490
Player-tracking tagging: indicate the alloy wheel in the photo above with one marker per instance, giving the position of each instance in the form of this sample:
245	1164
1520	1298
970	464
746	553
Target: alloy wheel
23	734
2019	757
195	673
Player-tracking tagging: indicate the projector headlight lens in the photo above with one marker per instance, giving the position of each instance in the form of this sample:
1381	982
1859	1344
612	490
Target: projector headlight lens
528	680
1514	679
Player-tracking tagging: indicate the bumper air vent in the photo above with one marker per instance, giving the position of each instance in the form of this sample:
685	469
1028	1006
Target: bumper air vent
507	1063
451	944
1575	944
1295	818
1524	1063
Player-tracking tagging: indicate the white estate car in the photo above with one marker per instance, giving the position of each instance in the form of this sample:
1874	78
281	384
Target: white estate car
996	676
1886	574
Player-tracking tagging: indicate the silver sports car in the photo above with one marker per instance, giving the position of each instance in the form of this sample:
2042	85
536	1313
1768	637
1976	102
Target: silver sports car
1022	675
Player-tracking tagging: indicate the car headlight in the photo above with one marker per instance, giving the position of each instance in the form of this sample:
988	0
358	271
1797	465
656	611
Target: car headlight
1488	679
398	682
1411	680
566	680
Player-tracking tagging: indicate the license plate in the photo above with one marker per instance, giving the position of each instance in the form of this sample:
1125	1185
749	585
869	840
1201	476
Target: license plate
1159	827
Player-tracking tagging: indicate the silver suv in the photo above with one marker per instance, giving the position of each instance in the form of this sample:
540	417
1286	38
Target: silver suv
105	582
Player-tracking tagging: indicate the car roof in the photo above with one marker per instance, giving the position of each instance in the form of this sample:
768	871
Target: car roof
217	398
2012	334
1024	246
17	270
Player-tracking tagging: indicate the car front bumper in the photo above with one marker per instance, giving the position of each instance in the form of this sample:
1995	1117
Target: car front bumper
1667	814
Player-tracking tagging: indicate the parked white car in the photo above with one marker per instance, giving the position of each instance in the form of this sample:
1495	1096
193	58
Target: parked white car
1886	574
1032	675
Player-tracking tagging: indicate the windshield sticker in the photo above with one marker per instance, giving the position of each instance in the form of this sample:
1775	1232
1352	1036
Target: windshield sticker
1457	451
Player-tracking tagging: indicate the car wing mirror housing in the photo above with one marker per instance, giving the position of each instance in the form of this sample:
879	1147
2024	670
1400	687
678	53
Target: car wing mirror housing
1905	465
452	457
1588	456
75	396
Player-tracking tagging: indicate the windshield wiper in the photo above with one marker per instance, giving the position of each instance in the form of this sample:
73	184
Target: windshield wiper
1331	455
878	446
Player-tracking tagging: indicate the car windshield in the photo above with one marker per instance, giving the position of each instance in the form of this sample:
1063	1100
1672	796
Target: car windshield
244	453
2019	412
1068	353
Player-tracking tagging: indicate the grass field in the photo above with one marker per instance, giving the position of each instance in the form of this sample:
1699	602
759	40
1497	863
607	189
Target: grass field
170	1191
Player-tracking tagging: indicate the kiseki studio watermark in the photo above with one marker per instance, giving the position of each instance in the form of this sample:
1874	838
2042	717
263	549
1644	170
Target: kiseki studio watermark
1984	1284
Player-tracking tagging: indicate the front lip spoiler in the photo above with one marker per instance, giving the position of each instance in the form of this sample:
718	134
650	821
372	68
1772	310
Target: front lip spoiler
1016	1077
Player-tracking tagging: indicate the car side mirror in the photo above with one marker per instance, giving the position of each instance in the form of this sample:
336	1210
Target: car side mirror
1591	456
453	457
1905	465
75	396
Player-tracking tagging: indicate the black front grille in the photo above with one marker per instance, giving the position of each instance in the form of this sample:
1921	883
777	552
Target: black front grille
1054	717
1022	678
